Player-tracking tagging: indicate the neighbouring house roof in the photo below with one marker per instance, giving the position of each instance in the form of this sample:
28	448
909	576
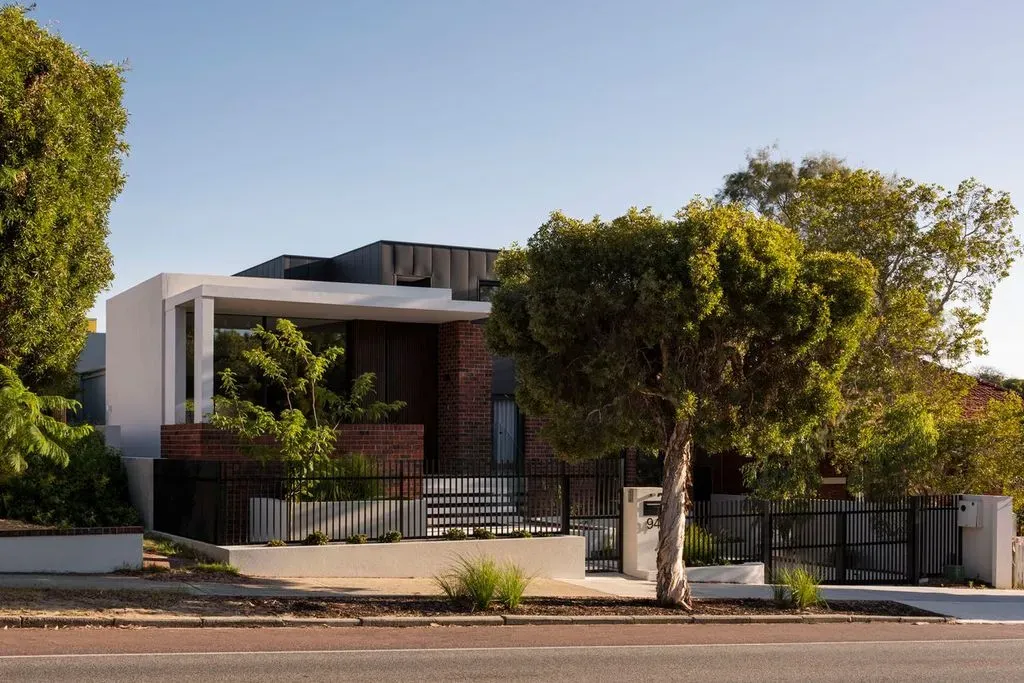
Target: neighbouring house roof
980	394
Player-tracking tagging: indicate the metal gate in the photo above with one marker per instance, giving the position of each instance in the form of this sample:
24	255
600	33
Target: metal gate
595	511
843	541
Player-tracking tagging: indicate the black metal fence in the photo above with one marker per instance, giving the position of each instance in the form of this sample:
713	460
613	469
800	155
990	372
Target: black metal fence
245	502
843	541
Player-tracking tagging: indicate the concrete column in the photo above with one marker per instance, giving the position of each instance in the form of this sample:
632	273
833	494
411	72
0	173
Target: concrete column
174	366
203	357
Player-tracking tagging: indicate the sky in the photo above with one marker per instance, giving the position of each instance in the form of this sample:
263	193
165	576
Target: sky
261	127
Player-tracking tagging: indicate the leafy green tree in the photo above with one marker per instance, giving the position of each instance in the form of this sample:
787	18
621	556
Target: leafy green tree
61	147
937	254
714	329
304	433
28	426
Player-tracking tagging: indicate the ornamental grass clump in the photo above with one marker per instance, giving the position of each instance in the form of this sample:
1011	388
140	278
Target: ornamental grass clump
799	588
477	583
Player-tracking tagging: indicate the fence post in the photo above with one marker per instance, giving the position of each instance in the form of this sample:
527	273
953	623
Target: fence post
766	538
913	522
401	497
840	559
566	500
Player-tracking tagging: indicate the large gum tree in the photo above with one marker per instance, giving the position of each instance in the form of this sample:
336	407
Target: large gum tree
713	328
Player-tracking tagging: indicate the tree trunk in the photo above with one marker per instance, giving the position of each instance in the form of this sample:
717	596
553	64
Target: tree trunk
673	589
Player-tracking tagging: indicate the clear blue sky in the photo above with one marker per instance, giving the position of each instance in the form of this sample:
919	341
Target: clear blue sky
262	127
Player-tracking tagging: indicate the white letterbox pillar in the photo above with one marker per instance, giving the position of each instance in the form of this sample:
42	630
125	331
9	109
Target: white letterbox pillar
640	531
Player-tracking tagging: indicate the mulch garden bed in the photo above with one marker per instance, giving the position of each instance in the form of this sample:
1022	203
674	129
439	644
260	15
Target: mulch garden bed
18	525
24	601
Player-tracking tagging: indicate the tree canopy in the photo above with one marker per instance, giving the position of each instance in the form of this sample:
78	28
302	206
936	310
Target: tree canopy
61	148
937	254
714	327
28	426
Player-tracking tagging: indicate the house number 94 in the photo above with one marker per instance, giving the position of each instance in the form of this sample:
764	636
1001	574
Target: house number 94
652	522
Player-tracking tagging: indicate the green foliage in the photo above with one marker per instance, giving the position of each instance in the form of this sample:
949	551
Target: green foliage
716	320
61	148
215	568
476	583
512	584
455	534
356	539
799	588
349	477
316	538
28	428
276	543
482	533
472	582
390	537
700	547
521	533
937	254
304	434
90	490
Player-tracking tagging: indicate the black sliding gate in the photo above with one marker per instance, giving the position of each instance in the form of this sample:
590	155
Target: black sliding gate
844	541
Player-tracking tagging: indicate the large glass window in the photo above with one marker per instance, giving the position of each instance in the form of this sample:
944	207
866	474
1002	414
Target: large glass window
232	336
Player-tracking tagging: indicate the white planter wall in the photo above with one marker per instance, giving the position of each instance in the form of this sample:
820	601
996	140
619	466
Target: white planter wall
77	554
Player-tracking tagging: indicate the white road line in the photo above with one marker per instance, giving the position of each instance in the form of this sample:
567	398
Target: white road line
239	653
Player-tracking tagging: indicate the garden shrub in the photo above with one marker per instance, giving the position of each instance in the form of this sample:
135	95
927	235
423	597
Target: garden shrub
799	588
512	584
521	533
350	477
391	537
317	538
700	548
92	490
455	535
481	532
275	543
356	539
471	583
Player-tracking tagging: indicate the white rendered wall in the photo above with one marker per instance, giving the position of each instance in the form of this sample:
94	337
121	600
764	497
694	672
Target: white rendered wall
988	546
87	554
135	367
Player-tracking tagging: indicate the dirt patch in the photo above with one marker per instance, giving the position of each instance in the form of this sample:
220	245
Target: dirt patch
18	525
46	601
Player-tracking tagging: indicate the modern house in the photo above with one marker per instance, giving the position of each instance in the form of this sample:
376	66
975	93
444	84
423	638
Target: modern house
409	313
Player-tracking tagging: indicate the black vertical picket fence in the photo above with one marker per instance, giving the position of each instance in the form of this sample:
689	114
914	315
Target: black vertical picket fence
843	541
244	502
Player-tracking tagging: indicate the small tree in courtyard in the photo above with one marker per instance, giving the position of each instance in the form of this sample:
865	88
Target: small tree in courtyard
714	328
304	433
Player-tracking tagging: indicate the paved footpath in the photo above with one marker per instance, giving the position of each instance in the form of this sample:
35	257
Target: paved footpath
965	604
831	652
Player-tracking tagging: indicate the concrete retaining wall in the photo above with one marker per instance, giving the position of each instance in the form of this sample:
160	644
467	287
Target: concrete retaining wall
85	553
271	518
555	557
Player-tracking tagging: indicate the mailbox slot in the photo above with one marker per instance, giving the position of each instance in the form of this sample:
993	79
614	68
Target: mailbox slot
652	508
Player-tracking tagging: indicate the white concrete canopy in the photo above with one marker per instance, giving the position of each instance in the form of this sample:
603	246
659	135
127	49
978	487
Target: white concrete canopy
146	335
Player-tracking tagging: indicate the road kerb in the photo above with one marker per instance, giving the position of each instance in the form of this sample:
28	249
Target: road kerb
175	621
534	619
328	622
241	622
63	620
158	621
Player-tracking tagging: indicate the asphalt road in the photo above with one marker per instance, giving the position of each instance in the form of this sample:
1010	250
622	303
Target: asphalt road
875	652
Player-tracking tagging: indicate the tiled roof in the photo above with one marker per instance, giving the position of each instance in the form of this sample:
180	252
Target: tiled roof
979	396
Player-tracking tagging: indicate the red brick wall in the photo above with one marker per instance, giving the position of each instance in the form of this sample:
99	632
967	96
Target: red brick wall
535	448
464	394
385	442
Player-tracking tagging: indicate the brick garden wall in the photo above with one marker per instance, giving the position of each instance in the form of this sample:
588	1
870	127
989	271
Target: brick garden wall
465	372
382	442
